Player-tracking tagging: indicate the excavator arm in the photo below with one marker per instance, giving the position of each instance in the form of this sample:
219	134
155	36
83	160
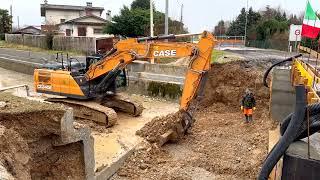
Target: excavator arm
126	51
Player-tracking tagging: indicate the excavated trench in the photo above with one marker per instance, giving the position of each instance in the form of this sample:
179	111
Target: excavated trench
28	132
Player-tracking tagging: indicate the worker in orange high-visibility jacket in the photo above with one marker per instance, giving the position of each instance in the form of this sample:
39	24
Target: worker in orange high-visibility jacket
248	105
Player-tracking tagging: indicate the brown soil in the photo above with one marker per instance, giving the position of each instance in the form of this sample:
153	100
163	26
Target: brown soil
227	82
61	162
14	154
220	145
158	126
26	150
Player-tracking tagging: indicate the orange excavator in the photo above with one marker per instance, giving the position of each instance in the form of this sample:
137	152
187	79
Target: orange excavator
92	90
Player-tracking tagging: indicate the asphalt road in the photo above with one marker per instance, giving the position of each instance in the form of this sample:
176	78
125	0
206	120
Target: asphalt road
29	56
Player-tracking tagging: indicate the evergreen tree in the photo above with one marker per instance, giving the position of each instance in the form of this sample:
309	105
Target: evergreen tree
220	29
5	21
237	27
142	4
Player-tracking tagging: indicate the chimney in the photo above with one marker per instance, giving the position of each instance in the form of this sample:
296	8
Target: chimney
89	4
108	15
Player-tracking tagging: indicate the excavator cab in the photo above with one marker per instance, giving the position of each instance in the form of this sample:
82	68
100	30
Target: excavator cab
121	79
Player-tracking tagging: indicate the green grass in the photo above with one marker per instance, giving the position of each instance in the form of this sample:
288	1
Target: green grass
216	54
4	44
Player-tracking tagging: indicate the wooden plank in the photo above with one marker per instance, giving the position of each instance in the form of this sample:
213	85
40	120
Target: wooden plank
274	136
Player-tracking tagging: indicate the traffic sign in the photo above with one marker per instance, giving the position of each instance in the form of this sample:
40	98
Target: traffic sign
295	32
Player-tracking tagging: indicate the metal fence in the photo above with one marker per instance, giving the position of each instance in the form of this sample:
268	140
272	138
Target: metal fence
230	41
269	44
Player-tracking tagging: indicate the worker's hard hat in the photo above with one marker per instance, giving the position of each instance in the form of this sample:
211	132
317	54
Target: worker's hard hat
247	91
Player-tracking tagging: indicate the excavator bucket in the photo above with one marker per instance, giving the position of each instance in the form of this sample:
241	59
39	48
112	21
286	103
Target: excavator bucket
179	129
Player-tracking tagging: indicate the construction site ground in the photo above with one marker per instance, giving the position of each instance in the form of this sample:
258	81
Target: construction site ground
219	146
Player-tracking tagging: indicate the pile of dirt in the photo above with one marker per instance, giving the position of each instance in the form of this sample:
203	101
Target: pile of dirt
227	83
220	145
28	131
158	126
14	154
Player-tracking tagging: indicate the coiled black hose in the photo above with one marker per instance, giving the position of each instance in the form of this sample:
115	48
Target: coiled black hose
289	135
266	74
314	118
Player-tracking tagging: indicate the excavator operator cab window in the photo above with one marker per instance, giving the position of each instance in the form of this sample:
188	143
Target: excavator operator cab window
121	80
92	59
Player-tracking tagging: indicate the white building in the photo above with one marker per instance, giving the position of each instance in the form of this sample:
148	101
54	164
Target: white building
75	20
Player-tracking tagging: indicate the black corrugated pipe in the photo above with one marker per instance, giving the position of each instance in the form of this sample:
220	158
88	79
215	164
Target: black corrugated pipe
289	135
266	74
314	117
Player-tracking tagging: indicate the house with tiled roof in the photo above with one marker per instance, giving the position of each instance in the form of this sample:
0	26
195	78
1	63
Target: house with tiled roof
75	20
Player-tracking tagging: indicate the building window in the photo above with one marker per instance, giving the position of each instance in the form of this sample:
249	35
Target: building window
97	31
62	20
82	31
68	32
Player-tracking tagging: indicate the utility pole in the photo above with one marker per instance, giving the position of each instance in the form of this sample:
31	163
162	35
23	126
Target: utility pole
166	24
181	17
18	23
245	28
181	13
11	17
151	18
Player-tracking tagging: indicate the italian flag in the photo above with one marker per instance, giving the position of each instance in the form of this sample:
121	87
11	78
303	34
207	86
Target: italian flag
311	23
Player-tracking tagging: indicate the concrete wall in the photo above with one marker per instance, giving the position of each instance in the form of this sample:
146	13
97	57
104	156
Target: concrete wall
282	95
27	40
156	80
54	16
80	44
74	30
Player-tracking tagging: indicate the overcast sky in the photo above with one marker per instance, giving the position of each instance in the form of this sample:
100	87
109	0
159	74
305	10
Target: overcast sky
198	15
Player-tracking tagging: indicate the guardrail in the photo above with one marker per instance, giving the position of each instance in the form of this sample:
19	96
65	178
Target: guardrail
310	51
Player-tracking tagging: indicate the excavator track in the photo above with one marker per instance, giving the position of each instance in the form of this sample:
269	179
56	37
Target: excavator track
123	103
89	110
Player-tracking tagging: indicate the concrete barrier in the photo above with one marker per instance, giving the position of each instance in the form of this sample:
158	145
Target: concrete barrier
18	65
282	95
158	80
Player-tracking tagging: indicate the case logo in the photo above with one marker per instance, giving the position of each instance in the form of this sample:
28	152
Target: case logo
165	53
43	86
